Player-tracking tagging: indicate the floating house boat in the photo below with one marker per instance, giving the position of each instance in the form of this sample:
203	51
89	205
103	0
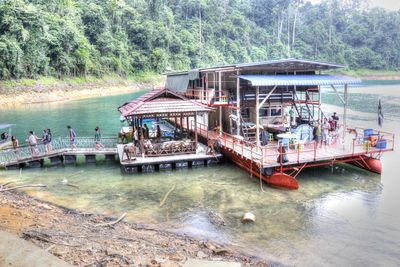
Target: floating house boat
265	115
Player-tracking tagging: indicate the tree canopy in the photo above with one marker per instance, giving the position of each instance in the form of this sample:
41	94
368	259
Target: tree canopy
95	37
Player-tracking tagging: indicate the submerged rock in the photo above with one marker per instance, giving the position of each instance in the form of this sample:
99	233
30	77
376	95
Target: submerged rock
215	218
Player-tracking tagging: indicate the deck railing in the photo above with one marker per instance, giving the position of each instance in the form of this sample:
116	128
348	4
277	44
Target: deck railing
59	145
274	154
209	96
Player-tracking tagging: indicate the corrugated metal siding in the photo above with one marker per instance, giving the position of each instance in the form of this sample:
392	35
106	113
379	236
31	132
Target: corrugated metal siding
288	80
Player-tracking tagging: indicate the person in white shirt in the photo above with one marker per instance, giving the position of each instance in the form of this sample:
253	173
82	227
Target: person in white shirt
325	131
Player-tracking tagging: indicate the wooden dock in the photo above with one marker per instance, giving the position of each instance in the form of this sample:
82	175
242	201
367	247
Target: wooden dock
164	162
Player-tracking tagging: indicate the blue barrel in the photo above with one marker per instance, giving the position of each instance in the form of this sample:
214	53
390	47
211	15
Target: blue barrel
381	144
368	132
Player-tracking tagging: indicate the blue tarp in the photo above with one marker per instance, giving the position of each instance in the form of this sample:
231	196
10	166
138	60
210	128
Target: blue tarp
288	80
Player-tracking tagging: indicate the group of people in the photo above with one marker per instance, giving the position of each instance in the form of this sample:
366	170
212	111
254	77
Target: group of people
141	139
47	138
321	130
33	141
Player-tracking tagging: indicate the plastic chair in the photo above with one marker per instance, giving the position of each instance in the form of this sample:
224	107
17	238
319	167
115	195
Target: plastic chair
271	137
284	142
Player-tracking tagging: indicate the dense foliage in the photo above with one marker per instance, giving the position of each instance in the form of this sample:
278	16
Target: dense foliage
81	37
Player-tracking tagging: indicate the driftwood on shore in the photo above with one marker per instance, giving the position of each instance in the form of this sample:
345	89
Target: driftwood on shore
22	186
162	202
111	223
3	185
44	237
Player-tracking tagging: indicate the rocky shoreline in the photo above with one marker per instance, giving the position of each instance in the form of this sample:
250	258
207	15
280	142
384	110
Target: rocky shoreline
19	96
85	239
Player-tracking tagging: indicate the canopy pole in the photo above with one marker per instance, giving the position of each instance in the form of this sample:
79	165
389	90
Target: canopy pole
266	98
219	100
195	128
238	103
345	103
257	116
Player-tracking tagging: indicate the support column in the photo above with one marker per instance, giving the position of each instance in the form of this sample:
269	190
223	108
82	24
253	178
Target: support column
238	103
345	100
181	122
219	100
257	115
195	128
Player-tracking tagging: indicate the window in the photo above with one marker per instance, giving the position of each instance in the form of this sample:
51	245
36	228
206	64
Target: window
276	111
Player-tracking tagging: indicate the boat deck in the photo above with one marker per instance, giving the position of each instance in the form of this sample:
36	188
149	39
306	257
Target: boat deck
311	153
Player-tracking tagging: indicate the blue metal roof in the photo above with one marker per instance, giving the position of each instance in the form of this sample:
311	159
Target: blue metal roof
6	125
287	80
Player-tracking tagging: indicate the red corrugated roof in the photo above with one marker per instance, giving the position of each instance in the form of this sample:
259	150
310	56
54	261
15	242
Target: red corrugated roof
161	101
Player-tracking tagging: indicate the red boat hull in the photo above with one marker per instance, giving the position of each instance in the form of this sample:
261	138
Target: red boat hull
369	164
280	180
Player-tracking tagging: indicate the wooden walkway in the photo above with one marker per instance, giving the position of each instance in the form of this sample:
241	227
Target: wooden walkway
60	147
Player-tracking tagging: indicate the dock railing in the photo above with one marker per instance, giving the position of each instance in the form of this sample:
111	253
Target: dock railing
59	146
209	96
274	154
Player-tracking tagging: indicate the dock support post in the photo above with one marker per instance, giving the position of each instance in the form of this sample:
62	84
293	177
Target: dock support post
195	129
69	159
257	115
90	158
345	102
36	163
110	157
54	161
219	100
238	103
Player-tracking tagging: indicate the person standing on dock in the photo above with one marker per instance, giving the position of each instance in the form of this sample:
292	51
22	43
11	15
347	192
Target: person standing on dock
325	131
72	136
15	144
49	140
135	136
318	133
292	117
141	142
146	132
158	134
335	119
97	138
45	140
32	141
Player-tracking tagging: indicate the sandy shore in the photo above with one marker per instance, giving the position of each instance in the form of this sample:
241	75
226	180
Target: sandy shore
79	238
20	96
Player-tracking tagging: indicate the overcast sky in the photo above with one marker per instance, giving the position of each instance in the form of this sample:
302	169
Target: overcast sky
388	4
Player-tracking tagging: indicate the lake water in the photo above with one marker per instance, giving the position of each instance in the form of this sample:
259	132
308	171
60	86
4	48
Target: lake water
340	216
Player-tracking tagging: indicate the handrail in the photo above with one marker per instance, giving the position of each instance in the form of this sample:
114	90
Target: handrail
59	145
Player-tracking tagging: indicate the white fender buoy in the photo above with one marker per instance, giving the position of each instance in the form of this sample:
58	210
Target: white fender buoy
248	217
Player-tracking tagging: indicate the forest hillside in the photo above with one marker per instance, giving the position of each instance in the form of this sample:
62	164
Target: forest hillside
97	37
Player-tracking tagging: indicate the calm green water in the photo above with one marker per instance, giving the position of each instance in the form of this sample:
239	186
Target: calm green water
340	216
